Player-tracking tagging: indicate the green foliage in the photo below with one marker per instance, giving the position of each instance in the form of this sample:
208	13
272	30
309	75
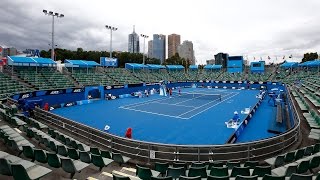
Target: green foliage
176	60
80	54
310	57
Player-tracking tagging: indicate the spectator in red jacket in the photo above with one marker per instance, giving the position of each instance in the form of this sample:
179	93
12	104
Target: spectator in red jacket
129	133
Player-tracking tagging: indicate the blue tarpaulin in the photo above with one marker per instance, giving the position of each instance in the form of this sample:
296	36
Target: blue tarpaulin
315	63
289	65
193	67
135	66
16	60
174	67
155	66
212	66
81	63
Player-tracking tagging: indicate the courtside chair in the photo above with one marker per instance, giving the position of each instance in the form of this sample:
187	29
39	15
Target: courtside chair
161	178
117	157
119	177
261	171
273	177
176	172
217	177
99	161
197	171
161	167
295	176
189	178
219	171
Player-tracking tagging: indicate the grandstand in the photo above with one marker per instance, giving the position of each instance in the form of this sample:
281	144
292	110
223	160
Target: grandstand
53	147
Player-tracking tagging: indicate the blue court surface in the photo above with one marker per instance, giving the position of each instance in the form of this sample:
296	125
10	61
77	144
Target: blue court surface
197	116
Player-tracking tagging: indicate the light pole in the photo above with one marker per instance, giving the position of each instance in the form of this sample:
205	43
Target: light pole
111	29
50	13
144	46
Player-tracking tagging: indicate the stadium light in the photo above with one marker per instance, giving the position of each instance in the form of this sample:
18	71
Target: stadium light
50	13
111	29
144	46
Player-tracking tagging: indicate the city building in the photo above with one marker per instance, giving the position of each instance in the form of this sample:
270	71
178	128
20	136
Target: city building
9	52
221	59
1	51
185	51
150	49
159	47
133	42
173	43
210	61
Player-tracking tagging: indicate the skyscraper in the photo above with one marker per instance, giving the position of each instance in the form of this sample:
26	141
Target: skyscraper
150	49
133	42
185	51
159	47
173	43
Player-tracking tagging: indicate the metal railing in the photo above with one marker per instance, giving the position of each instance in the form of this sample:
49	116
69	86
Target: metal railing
156	152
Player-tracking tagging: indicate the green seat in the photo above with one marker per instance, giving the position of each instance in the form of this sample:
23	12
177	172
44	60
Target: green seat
289	157
53	145
62	150
35	172
85	156
295	176
261	170
217	177
73	144
28	152
118	177
239	177
73	153
178	164
231	164
314	163
273	177
219	171
308	150
95	150
303	167
197	171
40	156
198	164
161	178
100	162
176	172
277	161
72	167
117	157
145	173
53	160
251	164
243	171
106	154
189	178
5	167
161	167
299	154
316	148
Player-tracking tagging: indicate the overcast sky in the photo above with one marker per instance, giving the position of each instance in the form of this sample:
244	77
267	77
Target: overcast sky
252	28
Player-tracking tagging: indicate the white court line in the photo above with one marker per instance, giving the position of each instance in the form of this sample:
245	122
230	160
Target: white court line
144	102
213	105
176	105
153	113
200	106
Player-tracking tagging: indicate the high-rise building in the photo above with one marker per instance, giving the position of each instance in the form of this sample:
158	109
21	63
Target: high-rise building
150	49
133	42
9	52
159	47
173	43
210	61
185	51
221	59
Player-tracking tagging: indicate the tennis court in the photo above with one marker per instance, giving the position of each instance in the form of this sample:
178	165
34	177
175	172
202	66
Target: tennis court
196	116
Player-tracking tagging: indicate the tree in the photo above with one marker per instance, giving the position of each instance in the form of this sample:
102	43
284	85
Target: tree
310	57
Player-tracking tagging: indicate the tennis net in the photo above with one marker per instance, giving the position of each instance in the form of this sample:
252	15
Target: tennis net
194	95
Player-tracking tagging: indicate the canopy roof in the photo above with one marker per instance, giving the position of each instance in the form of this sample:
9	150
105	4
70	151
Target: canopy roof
314	63
30	60
135	66
155	66
212	66
82	63
170	67
289	65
